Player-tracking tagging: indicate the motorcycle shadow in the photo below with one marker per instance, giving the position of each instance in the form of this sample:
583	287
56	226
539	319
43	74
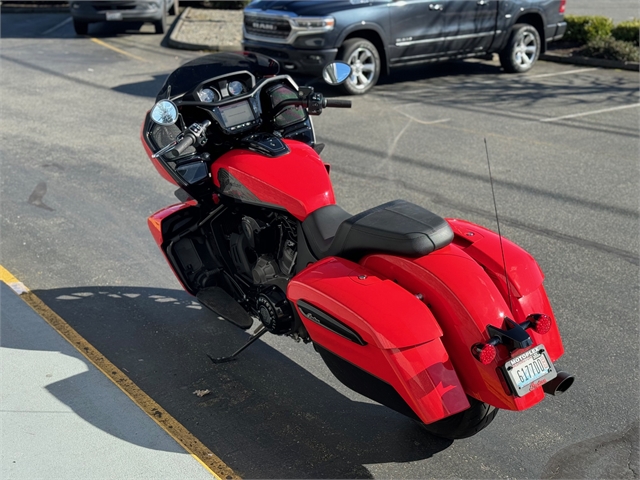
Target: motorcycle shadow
266	416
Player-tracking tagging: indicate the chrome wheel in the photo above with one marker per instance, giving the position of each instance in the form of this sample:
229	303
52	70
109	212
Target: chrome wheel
363	68
525	51
522	49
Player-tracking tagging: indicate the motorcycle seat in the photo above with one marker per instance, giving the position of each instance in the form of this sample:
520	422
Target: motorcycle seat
398	227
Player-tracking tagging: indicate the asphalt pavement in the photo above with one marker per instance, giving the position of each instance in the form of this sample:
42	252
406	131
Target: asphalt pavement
278	413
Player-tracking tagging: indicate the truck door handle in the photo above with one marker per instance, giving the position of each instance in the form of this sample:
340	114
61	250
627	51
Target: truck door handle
435	6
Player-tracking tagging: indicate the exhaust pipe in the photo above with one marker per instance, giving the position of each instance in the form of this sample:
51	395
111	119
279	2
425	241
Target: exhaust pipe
560	384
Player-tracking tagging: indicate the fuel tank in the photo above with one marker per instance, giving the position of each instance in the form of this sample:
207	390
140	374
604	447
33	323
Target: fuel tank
297	181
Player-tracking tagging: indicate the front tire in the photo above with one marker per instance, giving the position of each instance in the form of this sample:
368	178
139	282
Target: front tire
522	50
364	60
463	424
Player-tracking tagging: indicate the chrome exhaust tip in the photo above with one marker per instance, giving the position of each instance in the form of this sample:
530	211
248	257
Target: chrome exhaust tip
560	384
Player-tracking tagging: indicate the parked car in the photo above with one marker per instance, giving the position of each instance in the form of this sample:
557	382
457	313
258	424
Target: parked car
374	36
154	11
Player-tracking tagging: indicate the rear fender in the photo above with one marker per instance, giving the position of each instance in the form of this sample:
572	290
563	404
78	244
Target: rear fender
465	301
525	276
378	339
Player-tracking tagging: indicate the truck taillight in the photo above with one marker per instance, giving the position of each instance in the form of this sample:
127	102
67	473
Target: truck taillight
563	4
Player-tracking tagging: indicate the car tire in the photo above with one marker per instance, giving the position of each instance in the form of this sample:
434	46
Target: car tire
161	25
175	8
522	50
81	28
364	59
463	424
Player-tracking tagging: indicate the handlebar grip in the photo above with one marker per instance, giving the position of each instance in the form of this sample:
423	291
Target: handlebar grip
337	103
183	144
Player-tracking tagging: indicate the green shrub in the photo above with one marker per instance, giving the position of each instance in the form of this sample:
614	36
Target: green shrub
611	49
582	29
628	31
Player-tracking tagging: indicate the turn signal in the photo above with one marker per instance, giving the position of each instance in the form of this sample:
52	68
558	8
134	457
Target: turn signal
485	353
540	323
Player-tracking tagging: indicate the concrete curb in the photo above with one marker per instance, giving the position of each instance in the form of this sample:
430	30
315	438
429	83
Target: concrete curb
174	41
590	62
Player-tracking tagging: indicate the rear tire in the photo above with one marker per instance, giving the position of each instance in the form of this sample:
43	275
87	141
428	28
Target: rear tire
463	424
364	59
81	28
522	50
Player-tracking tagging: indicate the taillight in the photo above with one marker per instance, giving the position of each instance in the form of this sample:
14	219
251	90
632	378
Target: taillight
540	323
485	353
563	4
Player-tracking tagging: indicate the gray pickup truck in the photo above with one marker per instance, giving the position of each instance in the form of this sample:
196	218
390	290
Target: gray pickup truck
374	36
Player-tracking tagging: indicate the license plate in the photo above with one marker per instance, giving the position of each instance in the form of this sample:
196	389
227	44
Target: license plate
113	16
530	370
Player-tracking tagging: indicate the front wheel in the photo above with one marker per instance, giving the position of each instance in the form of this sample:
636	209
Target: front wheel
522	50
364	60
463	424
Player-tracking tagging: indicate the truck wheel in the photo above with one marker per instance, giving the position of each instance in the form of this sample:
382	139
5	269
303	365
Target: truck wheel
175	8
364	60
161	25
463	424
522	50
81	28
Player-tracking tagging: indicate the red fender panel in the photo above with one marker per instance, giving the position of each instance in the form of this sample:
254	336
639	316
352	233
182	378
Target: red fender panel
399	337
464	300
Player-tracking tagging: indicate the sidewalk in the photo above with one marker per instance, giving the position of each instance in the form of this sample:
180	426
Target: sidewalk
61	418
220	30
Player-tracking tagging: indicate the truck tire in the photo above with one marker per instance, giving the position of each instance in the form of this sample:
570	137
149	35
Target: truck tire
175	8
81	28
522	50
161	25
364	60
463	424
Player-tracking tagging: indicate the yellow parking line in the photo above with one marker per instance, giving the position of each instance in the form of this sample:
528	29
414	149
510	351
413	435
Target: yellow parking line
116	49
169	424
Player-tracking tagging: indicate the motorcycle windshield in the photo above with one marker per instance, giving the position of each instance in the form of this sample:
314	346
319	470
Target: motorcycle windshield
192	73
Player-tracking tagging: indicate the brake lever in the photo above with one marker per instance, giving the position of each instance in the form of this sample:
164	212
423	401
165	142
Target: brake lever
167	148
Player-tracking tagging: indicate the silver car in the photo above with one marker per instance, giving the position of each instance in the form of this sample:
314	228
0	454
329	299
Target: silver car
154	11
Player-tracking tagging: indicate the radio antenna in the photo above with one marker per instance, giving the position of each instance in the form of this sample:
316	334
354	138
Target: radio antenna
495	207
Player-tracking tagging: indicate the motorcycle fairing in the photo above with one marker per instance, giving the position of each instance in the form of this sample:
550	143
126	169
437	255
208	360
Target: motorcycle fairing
297	182
402	345
163	226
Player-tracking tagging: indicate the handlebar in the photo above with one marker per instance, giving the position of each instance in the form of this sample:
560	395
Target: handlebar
188	140
337	103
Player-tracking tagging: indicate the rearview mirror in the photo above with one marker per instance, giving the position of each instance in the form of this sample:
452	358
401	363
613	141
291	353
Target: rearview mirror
164	112
336	73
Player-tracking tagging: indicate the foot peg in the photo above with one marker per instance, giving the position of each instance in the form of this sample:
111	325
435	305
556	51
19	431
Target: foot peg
225	306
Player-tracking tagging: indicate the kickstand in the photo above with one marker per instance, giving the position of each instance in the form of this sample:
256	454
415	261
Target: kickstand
258	333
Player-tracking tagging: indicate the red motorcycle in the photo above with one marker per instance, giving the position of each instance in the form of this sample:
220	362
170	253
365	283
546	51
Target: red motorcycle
439	319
